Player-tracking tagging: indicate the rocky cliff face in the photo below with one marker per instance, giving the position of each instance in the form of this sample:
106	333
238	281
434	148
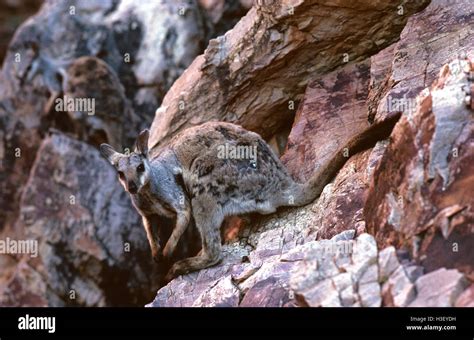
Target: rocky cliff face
300	257
125	55
13	13
394	228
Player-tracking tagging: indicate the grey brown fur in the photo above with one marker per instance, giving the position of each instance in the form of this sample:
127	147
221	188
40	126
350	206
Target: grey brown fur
187	179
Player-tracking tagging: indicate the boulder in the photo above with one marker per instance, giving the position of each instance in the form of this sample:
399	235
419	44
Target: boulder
92	247
141	48
393	228
466	298
13	12
157	41
25	288
123	55
433	37
333	109
420	195
256	72
439	288
342	271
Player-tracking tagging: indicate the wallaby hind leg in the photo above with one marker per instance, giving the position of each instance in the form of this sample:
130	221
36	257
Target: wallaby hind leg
208	223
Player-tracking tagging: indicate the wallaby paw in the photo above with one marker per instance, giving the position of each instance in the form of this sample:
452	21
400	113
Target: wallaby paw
176	270
167	252
170	275
157	257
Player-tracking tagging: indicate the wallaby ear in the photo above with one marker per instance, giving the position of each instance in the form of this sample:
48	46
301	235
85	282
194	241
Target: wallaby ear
142	142
109	153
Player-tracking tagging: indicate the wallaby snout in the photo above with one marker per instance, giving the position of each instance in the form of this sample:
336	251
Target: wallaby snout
132	187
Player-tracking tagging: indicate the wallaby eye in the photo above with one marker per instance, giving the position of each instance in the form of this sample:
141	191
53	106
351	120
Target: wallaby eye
140	168
121	175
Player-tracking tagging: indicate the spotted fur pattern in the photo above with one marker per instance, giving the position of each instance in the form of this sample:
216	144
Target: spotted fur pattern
189	179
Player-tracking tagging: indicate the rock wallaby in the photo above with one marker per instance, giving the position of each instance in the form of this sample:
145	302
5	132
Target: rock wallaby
212	171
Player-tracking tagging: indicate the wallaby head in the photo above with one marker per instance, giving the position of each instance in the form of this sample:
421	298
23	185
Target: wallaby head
133	169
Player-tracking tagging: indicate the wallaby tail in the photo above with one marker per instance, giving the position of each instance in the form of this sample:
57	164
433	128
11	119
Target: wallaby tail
310	190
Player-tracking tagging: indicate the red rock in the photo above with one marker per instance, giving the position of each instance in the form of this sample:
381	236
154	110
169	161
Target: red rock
125	55
431	38
466	299
410	191
86	233
26	288
334	109
420	196
12	13
440	288
251	74
267	293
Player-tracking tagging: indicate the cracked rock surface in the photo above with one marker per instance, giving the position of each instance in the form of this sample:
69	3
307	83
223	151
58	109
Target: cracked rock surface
407	199
393	228
343	271
124	55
